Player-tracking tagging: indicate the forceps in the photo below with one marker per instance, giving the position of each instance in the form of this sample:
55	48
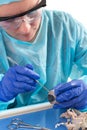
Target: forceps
15	63
18	123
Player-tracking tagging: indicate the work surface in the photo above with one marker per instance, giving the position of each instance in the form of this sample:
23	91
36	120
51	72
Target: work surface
44	118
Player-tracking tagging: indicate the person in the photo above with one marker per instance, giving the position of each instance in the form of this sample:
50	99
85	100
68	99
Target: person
41	45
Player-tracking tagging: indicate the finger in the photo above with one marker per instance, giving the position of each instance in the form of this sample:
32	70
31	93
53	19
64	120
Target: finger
29	66
25	79
27	72
22	87
82	103
74	103
70	94
12	89
67	86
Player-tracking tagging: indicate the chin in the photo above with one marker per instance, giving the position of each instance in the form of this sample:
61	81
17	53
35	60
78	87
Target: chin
25	38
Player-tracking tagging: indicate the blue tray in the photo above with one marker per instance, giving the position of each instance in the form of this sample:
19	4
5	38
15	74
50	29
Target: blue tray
46	117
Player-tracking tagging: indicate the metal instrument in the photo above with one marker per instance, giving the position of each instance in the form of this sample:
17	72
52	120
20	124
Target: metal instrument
15	63
51	95
18	123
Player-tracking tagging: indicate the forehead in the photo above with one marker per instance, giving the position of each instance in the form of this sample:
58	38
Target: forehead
17	7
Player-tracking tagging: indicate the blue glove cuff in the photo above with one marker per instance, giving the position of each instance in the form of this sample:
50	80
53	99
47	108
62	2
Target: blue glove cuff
83	109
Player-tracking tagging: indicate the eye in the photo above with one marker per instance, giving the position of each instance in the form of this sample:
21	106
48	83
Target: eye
32	14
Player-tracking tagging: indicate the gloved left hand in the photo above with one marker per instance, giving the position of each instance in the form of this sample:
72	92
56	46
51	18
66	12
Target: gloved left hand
71	95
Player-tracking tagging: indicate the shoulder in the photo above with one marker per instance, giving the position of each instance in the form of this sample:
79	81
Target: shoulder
64	20
59	20
59	16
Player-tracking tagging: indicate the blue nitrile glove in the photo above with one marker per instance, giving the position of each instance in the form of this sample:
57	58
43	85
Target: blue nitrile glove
18	79
71	95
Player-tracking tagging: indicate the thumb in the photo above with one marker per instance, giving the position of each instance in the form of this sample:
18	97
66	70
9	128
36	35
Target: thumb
29	66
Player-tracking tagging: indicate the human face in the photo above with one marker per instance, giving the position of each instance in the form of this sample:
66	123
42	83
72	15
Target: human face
20	22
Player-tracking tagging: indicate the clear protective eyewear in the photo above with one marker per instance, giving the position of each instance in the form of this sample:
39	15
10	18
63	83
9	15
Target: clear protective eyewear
16	22
30	16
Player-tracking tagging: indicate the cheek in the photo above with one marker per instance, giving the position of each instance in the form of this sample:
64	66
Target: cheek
10	32
34	25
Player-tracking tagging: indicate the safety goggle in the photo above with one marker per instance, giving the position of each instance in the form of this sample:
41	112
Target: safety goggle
41	4
15	21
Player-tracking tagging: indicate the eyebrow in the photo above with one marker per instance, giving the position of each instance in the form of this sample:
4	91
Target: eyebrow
41	4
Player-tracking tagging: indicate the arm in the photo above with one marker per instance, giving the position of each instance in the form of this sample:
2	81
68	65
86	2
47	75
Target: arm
73	94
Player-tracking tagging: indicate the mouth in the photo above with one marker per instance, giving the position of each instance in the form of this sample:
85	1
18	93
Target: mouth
26	37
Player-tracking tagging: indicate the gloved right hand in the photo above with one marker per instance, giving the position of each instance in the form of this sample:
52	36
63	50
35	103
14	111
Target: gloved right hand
18	79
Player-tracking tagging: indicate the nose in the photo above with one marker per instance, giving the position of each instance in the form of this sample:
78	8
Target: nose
24	28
